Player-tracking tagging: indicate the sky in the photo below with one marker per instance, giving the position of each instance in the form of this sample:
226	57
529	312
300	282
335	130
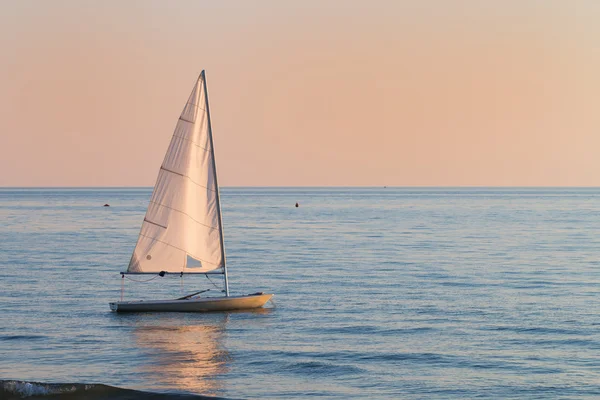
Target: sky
304	93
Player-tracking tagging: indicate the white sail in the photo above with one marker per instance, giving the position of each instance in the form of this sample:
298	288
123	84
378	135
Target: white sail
182	229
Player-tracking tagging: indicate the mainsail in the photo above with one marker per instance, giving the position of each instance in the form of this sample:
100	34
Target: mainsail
182	230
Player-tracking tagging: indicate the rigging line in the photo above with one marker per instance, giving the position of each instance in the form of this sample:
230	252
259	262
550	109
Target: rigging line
185	176
191	141
175	247
184	213
210	280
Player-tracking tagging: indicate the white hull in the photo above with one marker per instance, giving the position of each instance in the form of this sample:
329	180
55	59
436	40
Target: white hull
206	304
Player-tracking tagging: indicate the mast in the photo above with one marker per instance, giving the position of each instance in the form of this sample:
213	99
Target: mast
214	163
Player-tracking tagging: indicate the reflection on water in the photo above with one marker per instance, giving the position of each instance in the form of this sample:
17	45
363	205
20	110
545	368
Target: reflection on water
185	355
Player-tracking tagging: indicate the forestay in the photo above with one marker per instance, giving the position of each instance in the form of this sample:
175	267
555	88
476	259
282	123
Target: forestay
182	229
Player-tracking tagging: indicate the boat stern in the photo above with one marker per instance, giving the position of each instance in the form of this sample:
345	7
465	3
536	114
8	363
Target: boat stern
114	306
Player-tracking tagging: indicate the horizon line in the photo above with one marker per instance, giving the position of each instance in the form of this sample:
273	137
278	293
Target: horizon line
321	186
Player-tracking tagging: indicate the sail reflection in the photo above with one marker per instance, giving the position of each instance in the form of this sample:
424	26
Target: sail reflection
187	358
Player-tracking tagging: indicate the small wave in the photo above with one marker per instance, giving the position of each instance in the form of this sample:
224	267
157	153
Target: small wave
22	337
425	357
353	329
534	330
13	390
370	329
321	368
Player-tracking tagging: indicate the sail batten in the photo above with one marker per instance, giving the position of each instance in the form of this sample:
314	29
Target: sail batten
154	223
173	172
183	217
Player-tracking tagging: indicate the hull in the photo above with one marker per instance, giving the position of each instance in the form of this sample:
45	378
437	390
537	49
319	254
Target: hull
207	304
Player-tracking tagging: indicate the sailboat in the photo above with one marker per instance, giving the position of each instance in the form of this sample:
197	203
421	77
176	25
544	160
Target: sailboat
182	232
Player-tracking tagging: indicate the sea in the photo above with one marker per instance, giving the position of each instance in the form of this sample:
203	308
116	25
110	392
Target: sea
380	293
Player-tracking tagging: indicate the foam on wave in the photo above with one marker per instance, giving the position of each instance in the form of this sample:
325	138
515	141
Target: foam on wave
14	389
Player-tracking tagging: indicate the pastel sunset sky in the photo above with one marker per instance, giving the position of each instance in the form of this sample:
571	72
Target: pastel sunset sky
304	93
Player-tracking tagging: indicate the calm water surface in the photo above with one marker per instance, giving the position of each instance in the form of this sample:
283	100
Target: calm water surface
380	293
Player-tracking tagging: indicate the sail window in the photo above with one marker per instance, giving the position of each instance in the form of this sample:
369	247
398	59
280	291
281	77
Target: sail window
192	262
